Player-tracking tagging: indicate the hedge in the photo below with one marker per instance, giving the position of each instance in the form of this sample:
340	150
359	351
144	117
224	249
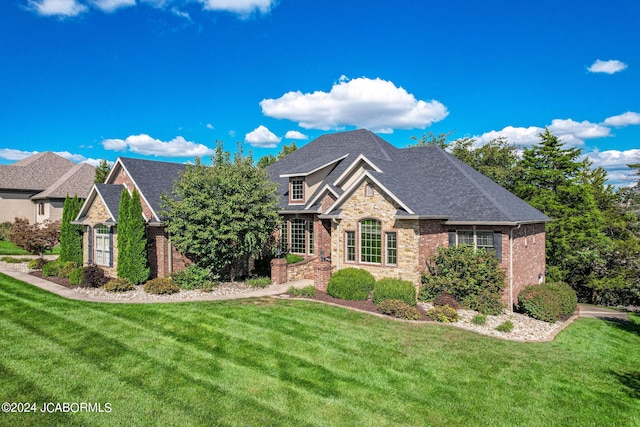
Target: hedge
388	288
351	284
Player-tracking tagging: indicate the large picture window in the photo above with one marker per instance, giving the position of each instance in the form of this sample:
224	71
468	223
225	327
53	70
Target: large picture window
296	236
102	245
370	241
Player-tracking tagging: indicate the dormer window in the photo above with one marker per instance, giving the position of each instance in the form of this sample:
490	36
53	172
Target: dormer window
296	189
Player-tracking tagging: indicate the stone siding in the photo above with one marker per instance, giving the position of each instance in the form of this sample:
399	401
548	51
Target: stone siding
97	215
301	270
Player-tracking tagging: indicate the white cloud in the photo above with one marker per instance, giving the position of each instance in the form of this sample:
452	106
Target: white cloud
243	8
57	7
375	104
615	162
580	130
210	126
111	5
294	134
609	67
148	146
262	137
626	119
519	136
11	154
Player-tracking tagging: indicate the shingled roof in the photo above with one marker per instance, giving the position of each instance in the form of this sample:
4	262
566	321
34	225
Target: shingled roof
35	173
426	182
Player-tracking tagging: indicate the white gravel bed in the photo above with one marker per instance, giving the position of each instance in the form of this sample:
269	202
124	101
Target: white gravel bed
138	294
525	328
20	266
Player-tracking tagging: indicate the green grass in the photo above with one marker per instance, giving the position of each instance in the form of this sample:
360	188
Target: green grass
8	248
287	362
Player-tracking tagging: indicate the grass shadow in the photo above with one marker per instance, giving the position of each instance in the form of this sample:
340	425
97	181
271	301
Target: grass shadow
631	381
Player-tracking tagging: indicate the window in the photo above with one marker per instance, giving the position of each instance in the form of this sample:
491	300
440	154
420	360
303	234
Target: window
102	245
310	224
465	238
40	208
477	239
297	189
392	248
370	241
351	246
284	245
298	236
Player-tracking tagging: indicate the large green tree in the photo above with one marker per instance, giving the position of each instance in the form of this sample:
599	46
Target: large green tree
221	214
102	171
270	159
133	261
71	234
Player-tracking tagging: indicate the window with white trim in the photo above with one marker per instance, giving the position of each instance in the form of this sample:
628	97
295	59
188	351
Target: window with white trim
297	237
370	241
475	238
392	248
297	189
102	245
351	245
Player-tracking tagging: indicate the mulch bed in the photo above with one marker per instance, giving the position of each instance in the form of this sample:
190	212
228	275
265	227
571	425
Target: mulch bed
54	279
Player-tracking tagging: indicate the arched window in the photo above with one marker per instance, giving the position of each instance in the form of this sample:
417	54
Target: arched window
370	241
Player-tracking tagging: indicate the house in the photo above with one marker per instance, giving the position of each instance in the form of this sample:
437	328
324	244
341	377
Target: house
355	200
99	214
35	187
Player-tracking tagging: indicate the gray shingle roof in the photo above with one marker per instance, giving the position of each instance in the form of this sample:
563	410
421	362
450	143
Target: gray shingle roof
76	182
111	193
36	172
428	180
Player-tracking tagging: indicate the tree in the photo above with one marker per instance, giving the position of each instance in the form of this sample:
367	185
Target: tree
35	238
71	234
221	214
133	261
270	159
430	138
102	171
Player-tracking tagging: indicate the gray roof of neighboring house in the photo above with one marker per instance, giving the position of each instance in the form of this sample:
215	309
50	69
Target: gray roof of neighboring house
153	178
76	182
36	173
428	180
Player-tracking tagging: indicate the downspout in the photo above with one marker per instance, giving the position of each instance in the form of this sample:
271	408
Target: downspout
511	267
337	223
170	255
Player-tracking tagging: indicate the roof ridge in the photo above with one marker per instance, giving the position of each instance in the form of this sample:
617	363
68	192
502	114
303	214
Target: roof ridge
457	163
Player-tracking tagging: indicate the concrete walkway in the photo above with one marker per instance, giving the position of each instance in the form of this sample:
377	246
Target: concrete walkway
71	294
597	312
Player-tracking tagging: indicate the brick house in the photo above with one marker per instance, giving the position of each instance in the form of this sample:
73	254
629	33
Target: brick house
356	200
99	214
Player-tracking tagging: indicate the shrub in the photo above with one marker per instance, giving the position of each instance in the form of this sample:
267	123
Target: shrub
162	285
208	285
399	309
540	302
65	268
446	299
444	314
118	285
434	286
292	258
403	290
35	238
351	284
568	298
307	291
192	277
51	269
36	264
479	319
5	230
76	276
485	303
259	282
93	277
506	326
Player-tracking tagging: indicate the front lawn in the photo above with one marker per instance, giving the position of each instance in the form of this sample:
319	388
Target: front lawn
8	248
286	362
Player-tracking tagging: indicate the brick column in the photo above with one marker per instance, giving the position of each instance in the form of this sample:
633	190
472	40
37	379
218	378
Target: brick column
321	275
278	271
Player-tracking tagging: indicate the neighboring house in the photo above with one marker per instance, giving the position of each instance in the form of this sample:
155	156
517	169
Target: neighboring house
35	187
99	214
358	201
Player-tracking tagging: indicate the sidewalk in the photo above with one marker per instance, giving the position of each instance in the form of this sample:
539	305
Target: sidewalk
71	294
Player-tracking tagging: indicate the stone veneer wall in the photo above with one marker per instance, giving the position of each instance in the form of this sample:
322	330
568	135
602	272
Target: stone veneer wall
301	270
98	214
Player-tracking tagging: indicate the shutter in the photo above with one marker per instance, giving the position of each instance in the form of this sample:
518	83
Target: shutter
497	244
89	245
110	246
452	239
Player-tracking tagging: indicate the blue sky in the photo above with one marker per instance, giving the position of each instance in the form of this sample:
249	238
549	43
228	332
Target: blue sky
165	79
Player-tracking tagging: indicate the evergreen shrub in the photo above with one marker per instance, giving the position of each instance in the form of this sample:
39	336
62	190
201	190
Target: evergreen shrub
76	276
193	277
51	269
293	258
387	288
446	299
443	314
568	298
540	302
5	230
399	309
65	268
161	285
351	284
479	319
118	285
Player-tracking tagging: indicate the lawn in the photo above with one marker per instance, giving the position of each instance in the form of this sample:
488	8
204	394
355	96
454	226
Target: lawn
8	248
287	362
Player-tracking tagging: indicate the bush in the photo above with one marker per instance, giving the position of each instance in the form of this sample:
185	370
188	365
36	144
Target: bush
479	319
65	268
292	258
568	298
259	282
161	286
5	230
485	303
118	285
36	264
307	291
399	309
193	277
51	269
506	326
540	302
93	277
434	286
351	284
76	275
446	299
444	314
403	290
